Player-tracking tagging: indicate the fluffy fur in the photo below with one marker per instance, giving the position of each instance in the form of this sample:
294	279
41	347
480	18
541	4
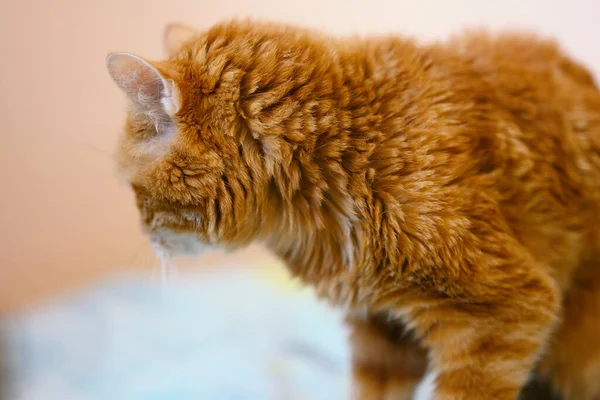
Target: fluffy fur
447	195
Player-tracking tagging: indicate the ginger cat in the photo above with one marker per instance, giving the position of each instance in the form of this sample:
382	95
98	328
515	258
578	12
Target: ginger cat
446	195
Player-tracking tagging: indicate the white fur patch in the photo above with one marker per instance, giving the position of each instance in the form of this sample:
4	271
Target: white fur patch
179	244
426	388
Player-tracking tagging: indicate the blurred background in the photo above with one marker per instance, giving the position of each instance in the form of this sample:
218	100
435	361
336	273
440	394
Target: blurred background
69	231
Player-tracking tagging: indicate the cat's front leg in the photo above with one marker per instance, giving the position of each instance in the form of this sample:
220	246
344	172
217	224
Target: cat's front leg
487	350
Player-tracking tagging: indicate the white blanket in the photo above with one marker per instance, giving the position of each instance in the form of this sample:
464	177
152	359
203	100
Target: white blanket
233	334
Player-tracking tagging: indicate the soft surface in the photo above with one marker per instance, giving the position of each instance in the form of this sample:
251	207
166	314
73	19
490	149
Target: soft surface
234	334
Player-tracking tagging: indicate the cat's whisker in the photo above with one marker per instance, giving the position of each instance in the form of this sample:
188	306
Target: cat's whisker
88	146
166	260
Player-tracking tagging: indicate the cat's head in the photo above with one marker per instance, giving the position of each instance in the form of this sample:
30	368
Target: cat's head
198	174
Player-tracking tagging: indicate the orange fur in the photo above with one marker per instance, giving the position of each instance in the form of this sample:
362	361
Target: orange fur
449	190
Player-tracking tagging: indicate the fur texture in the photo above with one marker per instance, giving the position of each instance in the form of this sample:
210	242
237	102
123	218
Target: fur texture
447	195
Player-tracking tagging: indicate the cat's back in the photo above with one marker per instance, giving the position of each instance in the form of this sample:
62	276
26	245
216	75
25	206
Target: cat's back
510	51
543	115
509	117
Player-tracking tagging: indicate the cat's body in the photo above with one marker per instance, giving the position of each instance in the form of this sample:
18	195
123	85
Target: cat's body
446	195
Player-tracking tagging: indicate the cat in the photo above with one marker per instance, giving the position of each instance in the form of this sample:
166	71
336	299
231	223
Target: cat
446	195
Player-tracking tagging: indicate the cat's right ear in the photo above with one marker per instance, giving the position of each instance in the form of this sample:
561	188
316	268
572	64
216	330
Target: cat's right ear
151	88
175	35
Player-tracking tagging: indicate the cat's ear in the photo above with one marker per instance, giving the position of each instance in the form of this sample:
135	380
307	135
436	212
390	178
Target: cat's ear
175	35
150	89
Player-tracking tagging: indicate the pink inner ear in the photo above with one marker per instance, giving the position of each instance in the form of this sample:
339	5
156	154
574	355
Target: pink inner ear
142	83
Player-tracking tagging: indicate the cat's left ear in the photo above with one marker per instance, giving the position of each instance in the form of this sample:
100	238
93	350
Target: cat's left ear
151	88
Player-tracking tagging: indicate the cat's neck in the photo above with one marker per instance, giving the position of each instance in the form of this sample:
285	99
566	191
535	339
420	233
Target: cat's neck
324	143
312	250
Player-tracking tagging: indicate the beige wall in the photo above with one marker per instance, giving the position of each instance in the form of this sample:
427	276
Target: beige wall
64	217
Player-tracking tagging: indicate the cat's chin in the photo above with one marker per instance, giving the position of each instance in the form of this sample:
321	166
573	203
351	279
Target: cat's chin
175	244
